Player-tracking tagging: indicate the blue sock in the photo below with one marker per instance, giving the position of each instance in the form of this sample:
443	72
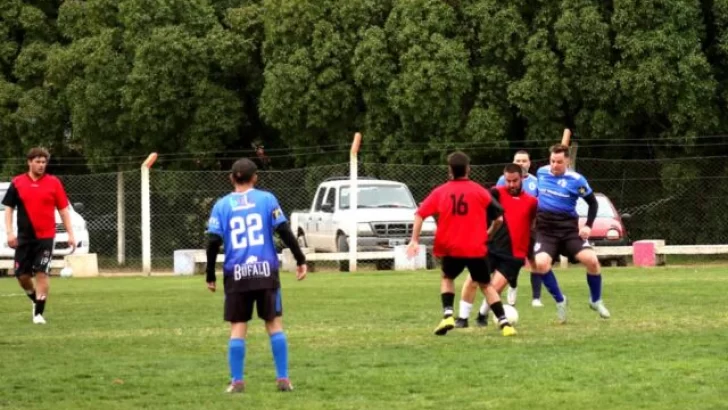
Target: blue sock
236	358
549	280
536	281
279	346
595	286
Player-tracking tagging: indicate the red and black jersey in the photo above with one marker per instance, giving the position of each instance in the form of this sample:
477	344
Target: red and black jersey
464	209
36	202
519	212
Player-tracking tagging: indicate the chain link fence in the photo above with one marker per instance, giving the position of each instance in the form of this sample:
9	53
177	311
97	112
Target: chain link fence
679	200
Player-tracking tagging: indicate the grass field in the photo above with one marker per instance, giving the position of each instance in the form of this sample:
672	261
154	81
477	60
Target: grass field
365	341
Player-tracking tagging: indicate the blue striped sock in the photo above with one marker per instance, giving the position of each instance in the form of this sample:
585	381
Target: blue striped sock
552	285
279	346
236	358
595	286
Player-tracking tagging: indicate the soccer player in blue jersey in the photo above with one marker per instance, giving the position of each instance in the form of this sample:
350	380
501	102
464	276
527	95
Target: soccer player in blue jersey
557	228
530	186
244	222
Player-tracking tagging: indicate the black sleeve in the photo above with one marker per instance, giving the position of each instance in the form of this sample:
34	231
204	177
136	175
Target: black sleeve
495	194
11	197
286	234
591	215
495	210
214	242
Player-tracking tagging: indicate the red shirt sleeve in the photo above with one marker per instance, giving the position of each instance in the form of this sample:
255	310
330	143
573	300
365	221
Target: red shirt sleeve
60	196
429	205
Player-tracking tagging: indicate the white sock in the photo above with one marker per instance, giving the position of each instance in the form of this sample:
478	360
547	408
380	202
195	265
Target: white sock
484	308
465	309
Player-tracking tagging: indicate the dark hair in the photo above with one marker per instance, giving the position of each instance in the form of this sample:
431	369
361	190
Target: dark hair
243	171
522	151
458	163
560	149
38	152
514	169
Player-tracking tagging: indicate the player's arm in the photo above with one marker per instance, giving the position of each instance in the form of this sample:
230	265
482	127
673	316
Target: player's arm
426	210
214	243
11	202
289	239
586	192
591	213
495	212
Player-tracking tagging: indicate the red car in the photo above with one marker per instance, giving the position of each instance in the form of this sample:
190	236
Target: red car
608	229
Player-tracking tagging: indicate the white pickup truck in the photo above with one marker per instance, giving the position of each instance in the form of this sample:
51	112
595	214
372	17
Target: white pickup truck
384	215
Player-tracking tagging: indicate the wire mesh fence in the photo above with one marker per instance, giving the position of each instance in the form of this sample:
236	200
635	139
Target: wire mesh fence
678	200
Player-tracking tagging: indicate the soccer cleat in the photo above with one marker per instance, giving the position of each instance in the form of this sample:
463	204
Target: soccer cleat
482	320
512	294
445	326
284	385
236	387
599	307
38	320
508	330
536	303
561	310
461	323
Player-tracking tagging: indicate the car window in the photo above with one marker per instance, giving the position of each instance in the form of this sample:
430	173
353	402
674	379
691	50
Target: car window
378	196
319	199
604	210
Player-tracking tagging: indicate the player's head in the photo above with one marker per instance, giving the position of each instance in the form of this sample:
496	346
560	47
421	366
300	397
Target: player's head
513	175
559	159
523	159
244	172
458	164
37	160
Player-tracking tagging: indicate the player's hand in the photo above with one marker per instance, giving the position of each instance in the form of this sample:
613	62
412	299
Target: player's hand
584	232
71	241
301	271
12	240
413	249
211	286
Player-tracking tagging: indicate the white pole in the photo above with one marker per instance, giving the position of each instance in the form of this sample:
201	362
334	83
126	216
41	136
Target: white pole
354	200
146	216
120	220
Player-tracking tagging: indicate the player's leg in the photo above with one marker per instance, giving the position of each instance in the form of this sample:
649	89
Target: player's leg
536	279
546	250
451	269
238	311
467	297
505	273
42	267
24	271
270	309
586	256
480	271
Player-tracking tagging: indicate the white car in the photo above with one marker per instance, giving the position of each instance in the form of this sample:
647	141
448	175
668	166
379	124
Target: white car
60	247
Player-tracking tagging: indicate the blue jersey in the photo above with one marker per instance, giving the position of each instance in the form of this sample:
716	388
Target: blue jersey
530	184
246	221
558	194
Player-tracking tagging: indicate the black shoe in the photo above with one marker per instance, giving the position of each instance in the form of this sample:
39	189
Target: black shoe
482	320
461	323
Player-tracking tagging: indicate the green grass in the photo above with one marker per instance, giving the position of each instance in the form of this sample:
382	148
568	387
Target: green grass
365	341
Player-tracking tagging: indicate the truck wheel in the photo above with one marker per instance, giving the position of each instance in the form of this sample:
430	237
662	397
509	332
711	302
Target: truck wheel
302	241
342	246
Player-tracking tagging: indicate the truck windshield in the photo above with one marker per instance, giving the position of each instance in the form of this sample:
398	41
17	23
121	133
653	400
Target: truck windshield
378	196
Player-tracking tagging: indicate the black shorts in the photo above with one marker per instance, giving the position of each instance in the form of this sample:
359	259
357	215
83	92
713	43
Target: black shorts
479	270
239	306
509	267
33	256
531	243
568	245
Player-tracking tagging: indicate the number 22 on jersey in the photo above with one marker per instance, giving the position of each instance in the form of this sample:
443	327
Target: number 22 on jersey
246	231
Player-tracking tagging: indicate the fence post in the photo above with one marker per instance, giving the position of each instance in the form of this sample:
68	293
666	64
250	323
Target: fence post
354	200
120	220
146	216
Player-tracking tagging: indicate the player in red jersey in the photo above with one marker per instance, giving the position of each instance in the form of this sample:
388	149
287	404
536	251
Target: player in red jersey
35	196
508	247
462	207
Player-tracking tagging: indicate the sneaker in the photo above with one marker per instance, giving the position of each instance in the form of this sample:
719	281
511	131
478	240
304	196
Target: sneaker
536	303
461	323
284	385
599	307
512	293
236	387
445	326
508	330
561	311
38	320
482	320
